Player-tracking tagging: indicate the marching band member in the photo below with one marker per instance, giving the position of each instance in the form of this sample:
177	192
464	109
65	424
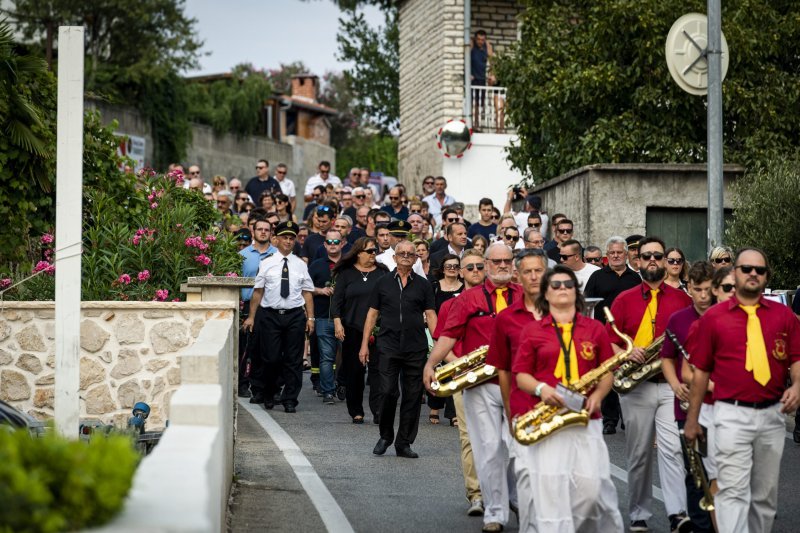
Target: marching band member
531	265
642	313
747	346
680	323
569	471
471	318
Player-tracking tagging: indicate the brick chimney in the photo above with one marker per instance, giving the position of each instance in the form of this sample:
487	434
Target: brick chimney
305	86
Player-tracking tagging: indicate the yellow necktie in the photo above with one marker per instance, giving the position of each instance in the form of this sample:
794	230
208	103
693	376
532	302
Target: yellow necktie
500	302
561	366
644	335
756	356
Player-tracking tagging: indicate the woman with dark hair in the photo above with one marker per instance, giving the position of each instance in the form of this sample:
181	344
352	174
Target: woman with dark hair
284	208
355	276
722	284
677	268
267	201
240	199
423	249
570	469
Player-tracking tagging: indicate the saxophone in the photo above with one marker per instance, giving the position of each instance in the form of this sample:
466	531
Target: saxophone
544	420
466	371
698	475
630	373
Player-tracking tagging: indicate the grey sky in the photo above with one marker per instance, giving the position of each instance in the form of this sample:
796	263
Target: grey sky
269	32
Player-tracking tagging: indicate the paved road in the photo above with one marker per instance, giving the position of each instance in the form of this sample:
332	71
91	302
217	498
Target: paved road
280	488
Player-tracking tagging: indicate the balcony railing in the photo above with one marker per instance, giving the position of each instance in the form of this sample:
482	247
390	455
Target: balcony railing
489	109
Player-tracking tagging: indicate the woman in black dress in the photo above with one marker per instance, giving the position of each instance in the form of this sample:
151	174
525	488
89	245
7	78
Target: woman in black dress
355	278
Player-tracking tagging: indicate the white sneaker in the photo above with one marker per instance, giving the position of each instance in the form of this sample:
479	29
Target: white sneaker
475	507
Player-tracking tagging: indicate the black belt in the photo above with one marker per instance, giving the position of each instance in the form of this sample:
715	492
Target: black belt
753	405
658	379
282	311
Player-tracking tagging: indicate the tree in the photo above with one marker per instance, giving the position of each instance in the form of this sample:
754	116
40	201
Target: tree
588	83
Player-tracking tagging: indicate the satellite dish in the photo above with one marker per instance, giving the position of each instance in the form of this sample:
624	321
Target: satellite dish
454	138
686	51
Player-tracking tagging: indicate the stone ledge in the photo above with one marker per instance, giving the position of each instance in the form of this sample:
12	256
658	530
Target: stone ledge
220	281
196	405
117	304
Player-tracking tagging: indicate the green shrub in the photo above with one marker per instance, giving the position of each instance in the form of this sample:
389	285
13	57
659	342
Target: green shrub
54	484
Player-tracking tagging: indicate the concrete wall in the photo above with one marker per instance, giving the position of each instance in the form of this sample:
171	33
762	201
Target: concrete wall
129	353
183	485
606	200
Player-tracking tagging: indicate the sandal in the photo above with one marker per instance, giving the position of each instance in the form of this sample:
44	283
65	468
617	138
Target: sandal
434	419
306	364
454	422
358	420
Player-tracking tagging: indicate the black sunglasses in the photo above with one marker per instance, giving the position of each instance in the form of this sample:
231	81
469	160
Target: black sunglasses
564	231
514	238
415	212
473	266
727	287
746	269
720	260
565	257
451	267
451	220
360	196
502	261
675	260
333	241
557	284
593	259
534	225
658	256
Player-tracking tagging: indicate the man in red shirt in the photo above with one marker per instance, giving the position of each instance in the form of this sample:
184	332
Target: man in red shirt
531	265
642	313
471	319
748	347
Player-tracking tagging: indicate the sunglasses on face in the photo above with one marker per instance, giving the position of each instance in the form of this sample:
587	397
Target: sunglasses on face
234	187
415	211
281	172
564	231
534	225
261	168
474	266
333	241
557	284
451	267
747	269
394	198
502	261
720	260
451	220
674	260
727	287
594	259
406	254
513	238
427	183
565	257
360	196
658	256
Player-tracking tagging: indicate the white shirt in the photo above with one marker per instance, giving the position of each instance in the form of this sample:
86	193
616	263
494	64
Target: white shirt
387	259
435	208
585	273
315	180
521	219
287	187
269	278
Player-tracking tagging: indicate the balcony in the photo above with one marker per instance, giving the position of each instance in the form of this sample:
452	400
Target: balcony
488	109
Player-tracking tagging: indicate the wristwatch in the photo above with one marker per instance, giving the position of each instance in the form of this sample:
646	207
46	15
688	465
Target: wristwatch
311	318
538	391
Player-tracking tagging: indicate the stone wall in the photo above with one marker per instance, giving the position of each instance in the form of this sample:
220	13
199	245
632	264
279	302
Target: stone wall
499	19
129	353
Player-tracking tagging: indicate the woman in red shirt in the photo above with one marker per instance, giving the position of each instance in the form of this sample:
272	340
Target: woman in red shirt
569	470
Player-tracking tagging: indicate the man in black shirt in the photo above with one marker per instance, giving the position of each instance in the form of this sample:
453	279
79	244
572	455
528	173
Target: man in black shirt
262	182
404	301
607	283
315	240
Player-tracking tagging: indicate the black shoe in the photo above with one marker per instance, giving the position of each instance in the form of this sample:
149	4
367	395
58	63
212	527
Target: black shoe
244	392
341	393
269	405
376	420
290	408
406	451
257	398
381	447
639	525
276	397
680	523
796	434
609	429
328	399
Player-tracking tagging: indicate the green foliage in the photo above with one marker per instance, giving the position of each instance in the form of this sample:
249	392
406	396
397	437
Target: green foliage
163	99
767	215
588	83
371	150
52	484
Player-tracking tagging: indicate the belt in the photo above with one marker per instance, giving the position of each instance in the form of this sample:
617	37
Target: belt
658	379
753	405
282	311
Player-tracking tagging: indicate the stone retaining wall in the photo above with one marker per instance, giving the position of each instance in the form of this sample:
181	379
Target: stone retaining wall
129	353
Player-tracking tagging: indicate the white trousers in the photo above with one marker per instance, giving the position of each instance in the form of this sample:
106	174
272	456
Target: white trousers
527	522
707	421
749	444
570	481
490	438
649	412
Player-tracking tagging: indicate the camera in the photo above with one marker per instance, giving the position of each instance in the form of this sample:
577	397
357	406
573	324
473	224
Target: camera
518	193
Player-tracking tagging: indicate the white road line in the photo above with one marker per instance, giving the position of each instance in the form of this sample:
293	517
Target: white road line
329	511
622	475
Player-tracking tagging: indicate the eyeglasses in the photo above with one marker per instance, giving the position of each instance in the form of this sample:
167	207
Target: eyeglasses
565	257
727	287
280	172
658	256
415	212
360	196
564	231
333	241
534	225
427	183
537	244
746	269
594	259
451	267
316	196
406	254
324	171
675	260
513	238
370	251
234	187
495	217
451	220
262	167
720	260
473	266
502	261
615	252
556	284
394	198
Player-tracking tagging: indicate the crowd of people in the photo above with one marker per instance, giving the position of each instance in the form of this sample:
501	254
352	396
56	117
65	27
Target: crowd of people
374	295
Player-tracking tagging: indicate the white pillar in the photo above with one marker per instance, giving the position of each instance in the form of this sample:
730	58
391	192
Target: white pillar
69	187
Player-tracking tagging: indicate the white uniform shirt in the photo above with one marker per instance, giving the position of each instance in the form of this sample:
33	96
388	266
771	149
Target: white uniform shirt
269	278
315	180
287	187
585	273
387	259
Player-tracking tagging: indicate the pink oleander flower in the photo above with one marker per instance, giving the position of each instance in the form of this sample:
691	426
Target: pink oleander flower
176	176
144	275
176	299
231	275
196	242
5	282
48	255
124	279
46	266
153	205
47	238
161	295
136	240
203	259
211	238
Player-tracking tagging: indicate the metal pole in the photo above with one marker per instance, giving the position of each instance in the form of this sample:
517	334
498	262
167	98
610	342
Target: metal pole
69	188
715	159
467	63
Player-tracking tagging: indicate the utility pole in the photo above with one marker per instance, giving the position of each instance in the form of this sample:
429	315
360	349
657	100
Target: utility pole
714	121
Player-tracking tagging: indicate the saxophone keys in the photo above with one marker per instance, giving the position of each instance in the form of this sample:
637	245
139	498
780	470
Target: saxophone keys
489	370
472	377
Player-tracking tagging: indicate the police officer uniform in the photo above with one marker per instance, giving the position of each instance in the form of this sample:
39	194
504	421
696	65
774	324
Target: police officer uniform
282	320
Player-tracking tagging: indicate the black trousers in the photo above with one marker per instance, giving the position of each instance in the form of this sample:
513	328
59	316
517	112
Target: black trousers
701	519
610	409
435	402
282	340
351	375
254	352
407	366
313	355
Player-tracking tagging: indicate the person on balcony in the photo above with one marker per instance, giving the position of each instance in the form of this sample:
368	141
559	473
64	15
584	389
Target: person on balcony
480	53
